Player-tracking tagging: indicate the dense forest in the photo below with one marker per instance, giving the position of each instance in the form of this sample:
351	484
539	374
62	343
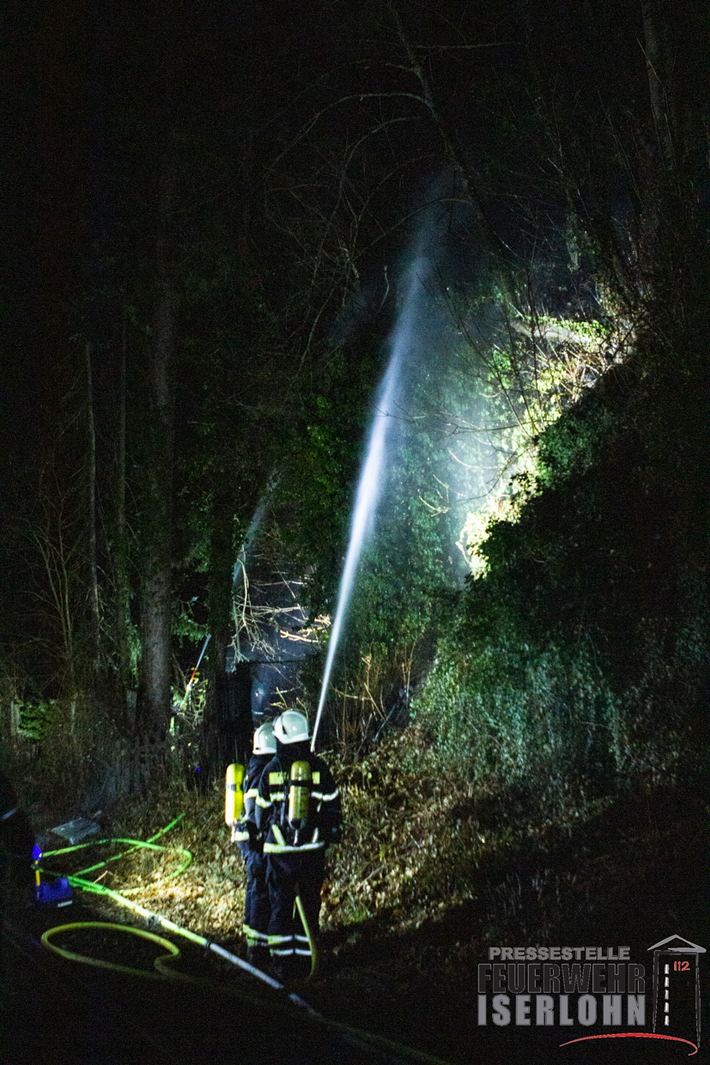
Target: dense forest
220	222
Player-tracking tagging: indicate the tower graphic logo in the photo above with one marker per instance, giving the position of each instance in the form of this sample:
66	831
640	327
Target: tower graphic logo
676	988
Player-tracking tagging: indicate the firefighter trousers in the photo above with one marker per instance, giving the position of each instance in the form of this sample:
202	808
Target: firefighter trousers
257	908
289	875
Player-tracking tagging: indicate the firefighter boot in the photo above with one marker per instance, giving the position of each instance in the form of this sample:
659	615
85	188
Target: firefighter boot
282	968
258	957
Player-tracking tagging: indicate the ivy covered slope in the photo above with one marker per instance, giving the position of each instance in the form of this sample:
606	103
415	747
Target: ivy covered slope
581	654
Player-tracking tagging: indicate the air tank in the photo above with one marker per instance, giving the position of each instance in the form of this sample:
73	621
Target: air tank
233	793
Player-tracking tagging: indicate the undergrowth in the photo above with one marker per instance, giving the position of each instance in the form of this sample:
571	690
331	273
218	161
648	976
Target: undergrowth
416	835
433	869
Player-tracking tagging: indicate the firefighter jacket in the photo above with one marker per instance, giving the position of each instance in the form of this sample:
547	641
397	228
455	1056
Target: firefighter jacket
16	836
324	823
245	834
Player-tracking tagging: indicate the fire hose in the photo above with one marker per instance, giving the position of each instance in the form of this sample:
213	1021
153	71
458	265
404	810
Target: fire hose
366	1041
79	880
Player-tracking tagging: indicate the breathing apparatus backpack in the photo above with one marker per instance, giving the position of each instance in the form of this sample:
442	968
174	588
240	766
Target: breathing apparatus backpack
234	796
297	808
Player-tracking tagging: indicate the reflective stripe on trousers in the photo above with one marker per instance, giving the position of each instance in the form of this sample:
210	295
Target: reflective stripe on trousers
254	938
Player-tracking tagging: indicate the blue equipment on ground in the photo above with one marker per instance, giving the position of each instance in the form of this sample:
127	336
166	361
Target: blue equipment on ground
56	893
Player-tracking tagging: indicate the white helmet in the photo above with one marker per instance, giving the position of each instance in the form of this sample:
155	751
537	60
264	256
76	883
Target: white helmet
264	742
291	727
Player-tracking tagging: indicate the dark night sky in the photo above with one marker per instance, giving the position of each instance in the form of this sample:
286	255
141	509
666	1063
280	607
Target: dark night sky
43	203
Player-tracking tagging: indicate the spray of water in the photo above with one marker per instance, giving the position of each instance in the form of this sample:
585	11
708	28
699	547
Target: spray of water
373	469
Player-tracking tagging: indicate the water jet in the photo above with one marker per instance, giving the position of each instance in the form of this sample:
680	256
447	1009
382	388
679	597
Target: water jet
387	410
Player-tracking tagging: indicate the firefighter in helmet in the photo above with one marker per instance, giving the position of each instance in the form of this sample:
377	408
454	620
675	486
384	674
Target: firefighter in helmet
247	837
298	812
16	842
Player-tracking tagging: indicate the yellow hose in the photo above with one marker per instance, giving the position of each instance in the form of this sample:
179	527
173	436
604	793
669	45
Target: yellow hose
159	963
307	929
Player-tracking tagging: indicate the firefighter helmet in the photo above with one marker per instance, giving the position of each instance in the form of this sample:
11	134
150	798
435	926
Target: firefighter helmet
264	742
291	727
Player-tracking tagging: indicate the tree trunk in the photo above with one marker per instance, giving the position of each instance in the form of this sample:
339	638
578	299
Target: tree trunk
156	590
94	618
676	53
120	563
657	70
154	692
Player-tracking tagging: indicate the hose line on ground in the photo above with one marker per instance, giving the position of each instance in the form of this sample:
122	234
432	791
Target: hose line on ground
78	880
162	965
135	844
160	972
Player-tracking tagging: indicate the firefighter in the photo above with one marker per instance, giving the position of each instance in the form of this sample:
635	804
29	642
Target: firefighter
16	842
250	843
298	812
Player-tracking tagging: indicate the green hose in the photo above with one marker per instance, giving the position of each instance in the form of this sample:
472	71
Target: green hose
309	935
160	973
135	844
162	964
78	880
